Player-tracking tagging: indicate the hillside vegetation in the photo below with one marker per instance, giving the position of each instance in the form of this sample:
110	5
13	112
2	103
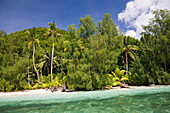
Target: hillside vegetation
82	58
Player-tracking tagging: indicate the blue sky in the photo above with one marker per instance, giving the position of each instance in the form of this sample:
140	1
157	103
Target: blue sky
21	14
129	15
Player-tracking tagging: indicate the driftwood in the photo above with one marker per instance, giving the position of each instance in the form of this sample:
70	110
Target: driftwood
62	88
106	87
152	85
53	89
123	85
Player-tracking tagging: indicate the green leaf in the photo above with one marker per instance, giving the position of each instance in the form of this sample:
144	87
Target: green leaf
113	74
30	45
124	78
122	72
131	55
41	64
117	71
124	49
37	41
110	75
116	83
133	47
115	79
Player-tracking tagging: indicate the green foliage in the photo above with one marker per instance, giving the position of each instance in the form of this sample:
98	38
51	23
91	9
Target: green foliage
56	82
79	80
36	86
153	61
106	26
17	81
81	58
137	75
86	27
118	76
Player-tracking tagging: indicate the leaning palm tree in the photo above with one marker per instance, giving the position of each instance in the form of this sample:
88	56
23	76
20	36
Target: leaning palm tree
128	49
28	72
52	31
43	61
32	43
40	65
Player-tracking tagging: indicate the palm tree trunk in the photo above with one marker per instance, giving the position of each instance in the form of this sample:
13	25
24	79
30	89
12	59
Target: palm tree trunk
34	63
28	74
126	62
52	60
32	75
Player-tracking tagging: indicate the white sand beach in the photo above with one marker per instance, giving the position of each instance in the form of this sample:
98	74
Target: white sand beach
27	92
48	91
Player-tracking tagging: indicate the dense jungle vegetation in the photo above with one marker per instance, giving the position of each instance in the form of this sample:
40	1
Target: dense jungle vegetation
83	58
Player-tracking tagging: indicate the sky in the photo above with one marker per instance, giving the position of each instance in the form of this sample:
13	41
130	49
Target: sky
129	15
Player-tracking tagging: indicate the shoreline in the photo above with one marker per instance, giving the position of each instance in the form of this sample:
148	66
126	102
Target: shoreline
45	91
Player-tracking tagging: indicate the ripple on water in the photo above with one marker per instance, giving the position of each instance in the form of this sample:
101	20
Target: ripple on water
152	100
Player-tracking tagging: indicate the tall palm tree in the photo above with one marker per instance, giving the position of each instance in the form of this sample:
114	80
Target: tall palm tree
128	49
28	72
32	34
52	31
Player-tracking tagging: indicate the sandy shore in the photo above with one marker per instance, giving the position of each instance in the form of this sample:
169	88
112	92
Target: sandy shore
44	91
27	92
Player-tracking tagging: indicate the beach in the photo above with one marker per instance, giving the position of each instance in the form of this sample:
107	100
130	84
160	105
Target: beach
48	91
27	92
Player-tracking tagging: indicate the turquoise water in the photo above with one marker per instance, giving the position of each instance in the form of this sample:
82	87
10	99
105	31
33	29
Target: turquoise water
143	100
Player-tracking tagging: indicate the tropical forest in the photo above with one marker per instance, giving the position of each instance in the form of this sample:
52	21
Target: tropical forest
90	57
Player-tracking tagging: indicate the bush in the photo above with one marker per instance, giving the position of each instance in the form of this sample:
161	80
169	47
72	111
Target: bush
36	86
80	81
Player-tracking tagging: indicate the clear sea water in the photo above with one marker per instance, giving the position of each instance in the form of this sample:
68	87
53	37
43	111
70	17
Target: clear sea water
143	100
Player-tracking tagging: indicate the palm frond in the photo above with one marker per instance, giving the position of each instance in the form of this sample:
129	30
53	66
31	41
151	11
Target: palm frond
48	32
124	49
30	44
37	41
54	58
110	75
52	26
46	57
41	64
132	47
27	32
131	55
58	34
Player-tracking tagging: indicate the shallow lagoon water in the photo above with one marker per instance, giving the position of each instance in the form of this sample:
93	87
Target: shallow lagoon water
142	100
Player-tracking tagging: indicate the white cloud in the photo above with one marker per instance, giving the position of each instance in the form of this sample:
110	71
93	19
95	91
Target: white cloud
131	33
138	13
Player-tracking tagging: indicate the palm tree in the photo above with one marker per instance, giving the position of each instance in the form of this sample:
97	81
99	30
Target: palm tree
33	36
41	65
128	49
52	31
28	73
43	62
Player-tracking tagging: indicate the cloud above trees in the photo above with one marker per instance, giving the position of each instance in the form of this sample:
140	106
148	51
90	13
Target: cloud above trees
137	14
